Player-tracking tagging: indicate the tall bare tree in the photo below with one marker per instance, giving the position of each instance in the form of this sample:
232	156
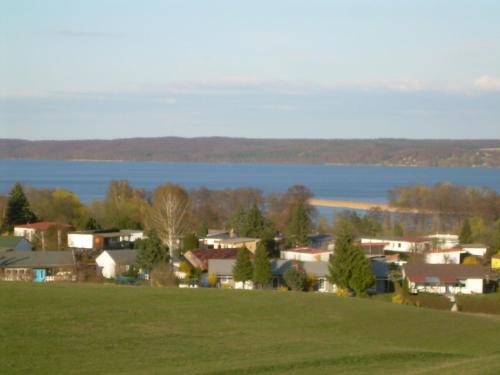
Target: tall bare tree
169	213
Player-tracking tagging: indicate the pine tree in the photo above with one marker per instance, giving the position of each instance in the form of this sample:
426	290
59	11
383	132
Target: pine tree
465	233
262	271
340	267
362	275
243	270
18	209
300	226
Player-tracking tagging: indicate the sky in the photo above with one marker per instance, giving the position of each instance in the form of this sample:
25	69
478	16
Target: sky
262	69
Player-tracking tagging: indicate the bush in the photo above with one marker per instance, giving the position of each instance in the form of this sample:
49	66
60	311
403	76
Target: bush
295	279
163	275
212	280
311	282
342	292
398	299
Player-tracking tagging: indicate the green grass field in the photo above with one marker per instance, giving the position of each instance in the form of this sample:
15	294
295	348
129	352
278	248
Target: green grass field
108	329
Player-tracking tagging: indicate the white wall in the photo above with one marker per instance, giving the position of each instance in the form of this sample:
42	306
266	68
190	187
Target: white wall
398	246
304	257
107	264
443	258
478	251
81	240
27	233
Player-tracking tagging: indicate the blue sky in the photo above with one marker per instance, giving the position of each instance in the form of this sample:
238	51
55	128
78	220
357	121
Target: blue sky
277	69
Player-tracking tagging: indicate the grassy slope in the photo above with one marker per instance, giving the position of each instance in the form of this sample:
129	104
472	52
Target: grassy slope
110	329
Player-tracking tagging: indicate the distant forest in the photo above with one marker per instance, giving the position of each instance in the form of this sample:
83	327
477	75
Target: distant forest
404	152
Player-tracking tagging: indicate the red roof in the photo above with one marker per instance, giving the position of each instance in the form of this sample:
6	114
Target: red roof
42	225
444	273
199	257
308	250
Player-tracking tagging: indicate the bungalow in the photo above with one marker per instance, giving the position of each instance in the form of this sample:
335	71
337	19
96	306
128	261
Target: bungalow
104	239
38	266
372	249
223	268
199	258
213	238
444	241
479	250
445	278
114	262
239	242
445	256
17	243
31	231
401	244
306	254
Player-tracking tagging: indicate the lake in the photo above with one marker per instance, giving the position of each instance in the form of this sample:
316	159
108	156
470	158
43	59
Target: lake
90	179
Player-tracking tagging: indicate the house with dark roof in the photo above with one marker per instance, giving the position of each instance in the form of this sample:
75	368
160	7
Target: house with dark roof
199	258
17	243
112	263
445	278
38	266
223	268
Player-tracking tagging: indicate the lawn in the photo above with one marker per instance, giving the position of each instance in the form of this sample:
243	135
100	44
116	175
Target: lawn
96	329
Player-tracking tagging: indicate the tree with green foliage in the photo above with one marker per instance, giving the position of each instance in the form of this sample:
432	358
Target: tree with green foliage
243	269
18	210
150	252
295	278
262	271
300	226
465	236
362	275
251	223
340	264
397	230
190	241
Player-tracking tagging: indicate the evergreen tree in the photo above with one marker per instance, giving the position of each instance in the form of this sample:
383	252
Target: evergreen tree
190	241
465	236
340	267
254	223
18	209
262	271
300	226
243	270
295	278
150	252
398	230
362	275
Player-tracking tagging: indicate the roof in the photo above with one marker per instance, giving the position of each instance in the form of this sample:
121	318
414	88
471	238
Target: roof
443	273
36	259
42	225
239	240
200	257
10	242
279	266
451	250
308	250
400	239
124	257
475	245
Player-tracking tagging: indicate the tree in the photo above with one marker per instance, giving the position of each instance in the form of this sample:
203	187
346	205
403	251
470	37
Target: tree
295	278
150	252
18	210
190	241
362	275
340	265
397	230
243	270
300	226
465	236
169	214
262	271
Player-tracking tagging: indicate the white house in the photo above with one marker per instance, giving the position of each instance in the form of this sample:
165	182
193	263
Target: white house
306	254
445	256
115	262
445	278
444	241
401	244
103	239
475	249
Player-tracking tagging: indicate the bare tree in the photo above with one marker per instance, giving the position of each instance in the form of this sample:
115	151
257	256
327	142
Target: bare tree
169	214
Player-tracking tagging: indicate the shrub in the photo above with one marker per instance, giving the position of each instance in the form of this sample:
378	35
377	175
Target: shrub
283	288
212	280
311	282
295	279
185	267
342	292
163	275
398	299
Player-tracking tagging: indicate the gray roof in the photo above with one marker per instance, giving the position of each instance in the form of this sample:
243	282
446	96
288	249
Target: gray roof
35	259
239	240
125	257
10	242
279	266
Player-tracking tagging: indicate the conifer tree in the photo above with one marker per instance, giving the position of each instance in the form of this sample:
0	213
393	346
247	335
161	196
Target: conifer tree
340	267
243	270
262	271
465	236
300	226
18	209
362	275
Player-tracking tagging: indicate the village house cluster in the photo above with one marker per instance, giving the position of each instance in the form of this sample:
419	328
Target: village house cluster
442	265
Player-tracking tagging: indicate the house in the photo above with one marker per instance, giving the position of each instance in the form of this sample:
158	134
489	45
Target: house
38	266
199	258
17	243
401	244
479	250
444	241
223	268
445	278
115	262
372	249
321	241
104	239
306	254
239	242
445	256
495	262
213	238
34	230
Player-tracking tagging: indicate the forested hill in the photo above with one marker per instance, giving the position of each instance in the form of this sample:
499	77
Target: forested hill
239	150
